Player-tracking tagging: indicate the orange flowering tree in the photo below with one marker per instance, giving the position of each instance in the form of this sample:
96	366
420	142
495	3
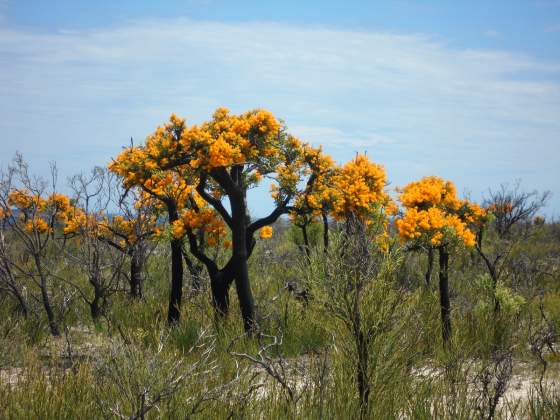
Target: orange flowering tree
361	201
435	218
33	215
317	199
222	159
171	190
141	167
361	186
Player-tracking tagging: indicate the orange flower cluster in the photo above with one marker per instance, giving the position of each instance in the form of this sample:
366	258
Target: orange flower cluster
75	222
355	189
266	232
169	184
90	224
37	225
202	220
430	191
229	139
124	231
434	215
323	192
178	229
172	160
24	199
120	227
473	214
433	225
36	213
360	184
225	140
255	138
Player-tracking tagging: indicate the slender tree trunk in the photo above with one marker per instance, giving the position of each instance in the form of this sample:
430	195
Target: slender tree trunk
491	266
22	304
239	262
220	282
362	377
176	291
494	277
95	305
13	288
360	340
444	295
430	266
53	326
325	232
136	275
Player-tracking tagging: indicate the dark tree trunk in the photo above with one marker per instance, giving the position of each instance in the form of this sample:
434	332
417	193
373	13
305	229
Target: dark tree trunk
325	232
444	295
362	376
242	231
362	379
176	292
239	261
430	266
491	266
496	301
136	275
220	282
95	307
53	326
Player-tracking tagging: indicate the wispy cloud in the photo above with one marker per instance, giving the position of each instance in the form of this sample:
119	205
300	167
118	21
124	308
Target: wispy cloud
418	104
335	137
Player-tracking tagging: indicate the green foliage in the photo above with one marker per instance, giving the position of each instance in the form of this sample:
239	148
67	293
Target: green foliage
314	234
99	370
510	303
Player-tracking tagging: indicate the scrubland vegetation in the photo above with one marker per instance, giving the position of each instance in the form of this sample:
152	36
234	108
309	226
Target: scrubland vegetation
150	292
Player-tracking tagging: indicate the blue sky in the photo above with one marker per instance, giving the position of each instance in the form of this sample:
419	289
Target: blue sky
467	90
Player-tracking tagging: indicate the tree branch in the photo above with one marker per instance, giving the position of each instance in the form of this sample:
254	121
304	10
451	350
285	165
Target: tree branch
214	202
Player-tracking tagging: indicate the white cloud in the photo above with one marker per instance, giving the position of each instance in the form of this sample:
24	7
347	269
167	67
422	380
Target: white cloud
420	105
